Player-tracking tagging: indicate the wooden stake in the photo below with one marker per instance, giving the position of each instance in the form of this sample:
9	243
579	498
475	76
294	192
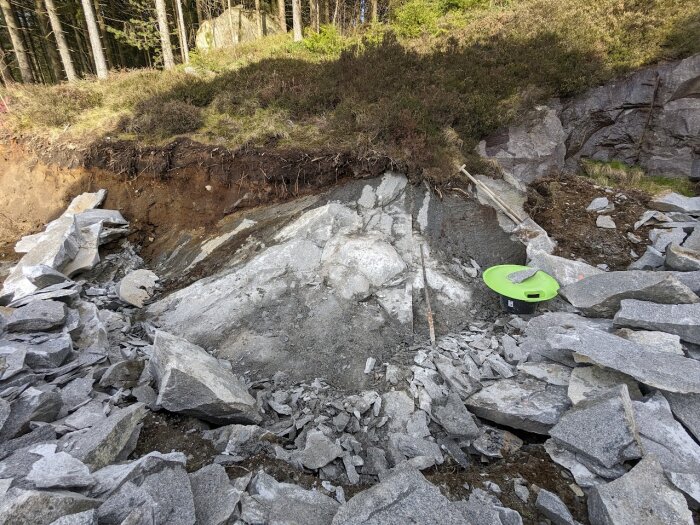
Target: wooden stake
431	325
507	210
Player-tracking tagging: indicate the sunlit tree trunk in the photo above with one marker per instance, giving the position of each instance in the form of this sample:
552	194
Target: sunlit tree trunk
102	25
296	21
51	50
168	58
95	43
182	32
259	19
375	10
61	42
25	66
5	71
282	13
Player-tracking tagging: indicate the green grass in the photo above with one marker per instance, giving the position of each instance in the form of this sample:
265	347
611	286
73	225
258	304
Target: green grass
423	89
617	174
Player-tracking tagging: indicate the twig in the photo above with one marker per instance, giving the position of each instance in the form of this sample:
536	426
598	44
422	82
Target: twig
431	325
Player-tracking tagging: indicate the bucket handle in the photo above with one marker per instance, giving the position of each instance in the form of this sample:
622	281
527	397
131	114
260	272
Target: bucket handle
534	294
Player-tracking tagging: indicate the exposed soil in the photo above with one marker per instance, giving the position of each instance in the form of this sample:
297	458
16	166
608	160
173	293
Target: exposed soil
181	186
558	204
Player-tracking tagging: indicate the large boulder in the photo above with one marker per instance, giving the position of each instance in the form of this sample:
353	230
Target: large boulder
680	319
234	26
192	382
41	507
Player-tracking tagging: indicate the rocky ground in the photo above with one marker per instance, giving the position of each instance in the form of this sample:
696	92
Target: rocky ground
279	370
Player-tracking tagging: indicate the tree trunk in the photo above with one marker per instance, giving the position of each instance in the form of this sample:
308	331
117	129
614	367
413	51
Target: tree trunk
168	59
183	33
61	41
95	43
375	11
282	14
313	14
111	60
5	71
29	44
25	66
325	12
51	52
259	19
200	11
296	21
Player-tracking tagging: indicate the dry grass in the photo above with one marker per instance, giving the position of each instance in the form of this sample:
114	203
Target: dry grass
615	174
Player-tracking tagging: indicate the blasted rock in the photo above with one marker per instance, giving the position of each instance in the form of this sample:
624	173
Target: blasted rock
643	496
403	496
215	499
680	319
526	404
32	405
676	202
192	382
553	508
682	259
565	271
88	517
588	381
455	418
686	408
37	316
656	369
60	470
319	451
137	287
41	507
600	295
602	429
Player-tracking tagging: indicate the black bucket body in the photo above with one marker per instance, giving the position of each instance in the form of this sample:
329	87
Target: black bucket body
514	306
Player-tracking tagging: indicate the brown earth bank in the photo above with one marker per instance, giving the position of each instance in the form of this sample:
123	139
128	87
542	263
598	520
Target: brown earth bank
181	186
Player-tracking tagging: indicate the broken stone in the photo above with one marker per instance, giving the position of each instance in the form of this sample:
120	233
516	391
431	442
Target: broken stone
455	418
659	341
455	378
680	319
369	365
137	287
287	503
565	271
108	479
404	496
598	204
553	508
190	381
676	202
686	408
43	276
32	405
37	316
552	373
589	381
60	470
215	500
88	255
521	491
47	354
602	429
656	369
107	440
413	447
522	275
651	259
318	452
662	237
526	404
41	507
605	222
642	496
398	407
94	216
693	240
600	295
124	374
682	259
88	517
496	443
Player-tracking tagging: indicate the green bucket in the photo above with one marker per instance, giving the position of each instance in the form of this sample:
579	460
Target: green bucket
520	298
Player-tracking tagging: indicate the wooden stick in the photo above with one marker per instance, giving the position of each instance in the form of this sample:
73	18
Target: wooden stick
431	325
507	210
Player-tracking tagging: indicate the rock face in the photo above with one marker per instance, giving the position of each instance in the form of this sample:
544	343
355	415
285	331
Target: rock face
606	123
600	295
680	319
234	26
349	259
190	381
643	496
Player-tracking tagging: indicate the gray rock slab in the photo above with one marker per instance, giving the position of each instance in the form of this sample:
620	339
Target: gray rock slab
88	517
553	508
88	255
654	340
215	499
598	204
496	443
107	440
403	496
600	295
318	452
192	382
680	319
676	202
643	496
686	408
656	369
526	404
398	406
32	405
587	382
37	316
124	374
287	503
60	470
455	418
414	447
688	484
664	437
94	216
602	429
552	373
682	259
45	355
21	506
137	287
42	275
662	237
693	240
522	275
565	271
651	259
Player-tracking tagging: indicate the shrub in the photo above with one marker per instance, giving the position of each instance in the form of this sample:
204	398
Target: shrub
416	17
167	119
58	105
328	41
